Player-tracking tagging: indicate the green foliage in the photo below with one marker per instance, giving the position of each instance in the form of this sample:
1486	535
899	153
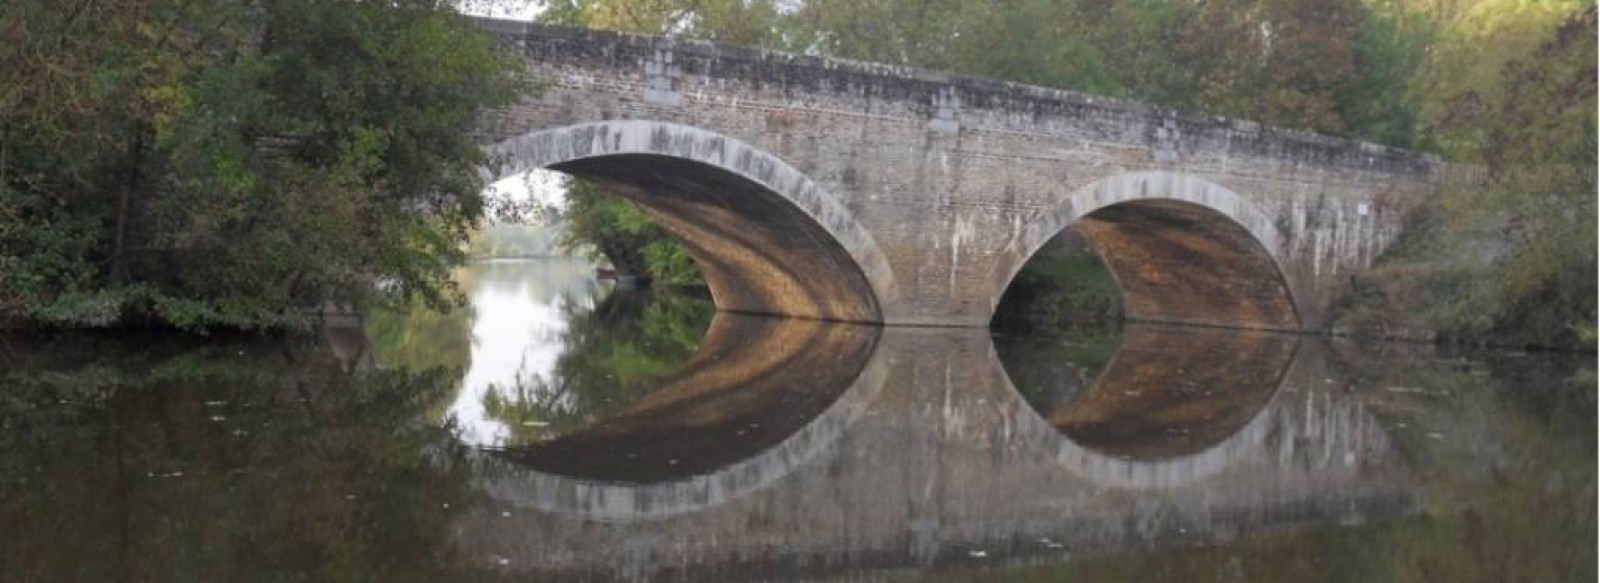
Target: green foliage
1051	363
610	227
1390	47
206	163
418	337
1063	287
1464	67
669	262
1510	256
512	240
743	22
613	355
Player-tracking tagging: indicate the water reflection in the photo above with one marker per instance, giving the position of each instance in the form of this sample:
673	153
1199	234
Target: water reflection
623	348
948	465
545	347
866	453
154	458
1171	391
517	335
762	399
754	382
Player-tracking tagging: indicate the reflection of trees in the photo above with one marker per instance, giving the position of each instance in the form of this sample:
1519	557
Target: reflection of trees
539	280
420	337
232	460
611	356
1053	366
1062	289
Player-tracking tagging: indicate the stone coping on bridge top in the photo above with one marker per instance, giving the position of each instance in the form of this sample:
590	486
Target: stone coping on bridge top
912	84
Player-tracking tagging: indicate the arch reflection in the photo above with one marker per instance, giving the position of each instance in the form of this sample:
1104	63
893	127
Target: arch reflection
931	457
762	396
1175	391
1174	404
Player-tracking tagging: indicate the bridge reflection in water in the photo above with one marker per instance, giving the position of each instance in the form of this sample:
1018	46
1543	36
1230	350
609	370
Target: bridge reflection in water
807	449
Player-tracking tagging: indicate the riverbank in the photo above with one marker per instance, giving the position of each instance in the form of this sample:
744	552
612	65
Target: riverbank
1468	270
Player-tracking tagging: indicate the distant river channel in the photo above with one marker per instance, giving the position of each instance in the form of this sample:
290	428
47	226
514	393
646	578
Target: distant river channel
558	428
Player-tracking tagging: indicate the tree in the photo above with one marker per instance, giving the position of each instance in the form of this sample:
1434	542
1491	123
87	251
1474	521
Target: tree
1393	40
1509	256
741	22
612	228
235	162
1539	131
1462	70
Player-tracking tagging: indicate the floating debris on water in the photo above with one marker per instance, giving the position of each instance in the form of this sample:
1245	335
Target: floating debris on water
1403	389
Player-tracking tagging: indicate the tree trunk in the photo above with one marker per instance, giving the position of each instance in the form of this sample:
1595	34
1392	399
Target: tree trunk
119	242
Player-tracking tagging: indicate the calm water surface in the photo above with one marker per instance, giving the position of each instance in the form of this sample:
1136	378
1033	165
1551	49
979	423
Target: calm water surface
560	430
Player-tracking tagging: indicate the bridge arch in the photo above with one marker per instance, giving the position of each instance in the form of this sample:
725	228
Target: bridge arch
768	239
1182	249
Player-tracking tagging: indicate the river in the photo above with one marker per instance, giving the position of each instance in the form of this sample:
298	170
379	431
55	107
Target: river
558	429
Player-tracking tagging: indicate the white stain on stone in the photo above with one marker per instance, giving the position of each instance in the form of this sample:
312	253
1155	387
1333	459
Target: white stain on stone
963	232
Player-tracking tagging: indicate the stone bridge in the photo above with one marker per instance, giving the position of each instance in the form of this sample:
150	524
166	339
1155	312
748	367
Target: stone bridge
861	192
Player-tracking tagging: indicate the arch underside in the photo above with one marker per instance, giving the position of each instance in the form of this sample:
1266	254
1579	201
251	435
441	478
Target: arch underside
1180	262
758	253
